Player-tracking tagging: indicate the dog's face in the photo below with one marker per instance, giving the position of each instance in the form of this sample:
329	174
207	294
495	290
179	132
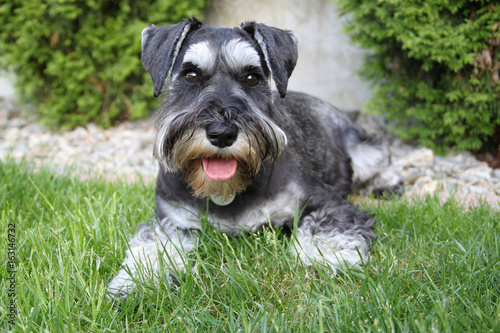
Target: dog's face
217	124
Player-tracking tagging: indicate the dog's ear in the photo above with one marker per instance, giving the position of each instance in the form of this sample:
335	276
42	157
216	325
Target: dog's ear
279	48
160	47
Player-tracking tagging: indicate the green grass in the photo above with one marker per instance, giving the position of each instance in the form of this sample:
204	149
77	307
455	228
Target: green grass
433	268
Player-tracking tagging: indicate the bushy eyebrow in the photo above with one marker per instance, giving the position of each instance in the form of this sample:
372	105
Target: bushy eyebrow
239	54
202	55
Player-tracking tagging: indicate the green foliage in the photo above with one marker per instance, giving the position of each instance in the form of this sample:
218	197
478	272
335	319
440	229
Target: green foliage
434	65
79	61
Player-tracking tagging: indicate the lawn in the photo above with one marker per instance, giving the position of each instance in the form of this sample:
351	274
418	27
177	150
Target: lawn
433	268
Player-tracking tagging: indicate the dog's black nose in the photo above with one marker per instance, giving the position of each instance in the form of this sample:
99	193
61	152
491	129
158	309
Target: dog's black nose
221	135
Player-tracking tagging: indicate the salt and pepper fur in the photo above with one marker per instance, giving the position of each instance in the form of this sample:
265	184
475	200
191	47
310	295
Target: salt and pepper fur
293	150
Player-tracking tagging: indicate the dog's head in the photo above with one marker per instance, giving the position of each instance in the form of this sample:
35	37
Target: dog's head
217	124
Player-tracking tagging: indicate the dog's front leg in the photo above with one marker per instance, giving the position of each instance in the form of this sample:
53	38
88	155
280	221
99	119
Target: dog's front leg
338	235
157	248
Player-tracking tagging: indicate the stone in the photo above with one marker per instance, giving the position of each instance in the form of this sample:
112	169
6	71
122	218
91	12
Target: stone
482	172
423	180
422	157
497	187
12	135
477	189
448	166
410	175
430	187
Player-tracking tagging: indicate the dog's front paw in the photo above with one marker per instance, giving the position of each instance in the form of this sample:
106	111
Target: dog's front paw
325	237
121	287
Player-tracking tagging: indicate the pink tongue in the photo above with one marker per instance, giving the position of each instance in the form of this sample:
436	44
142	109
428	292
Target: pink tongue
219	169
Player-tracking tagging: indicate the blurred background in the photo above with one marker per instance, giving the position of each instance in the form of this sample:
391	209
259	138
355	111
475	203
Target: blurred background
326	66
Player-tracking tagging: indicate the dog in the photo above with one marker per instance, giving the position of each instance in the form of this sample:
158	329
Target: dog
256	156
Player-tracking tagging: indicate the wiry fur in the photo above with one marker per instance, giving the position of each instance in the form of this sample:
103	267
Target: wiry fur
292	150
188	152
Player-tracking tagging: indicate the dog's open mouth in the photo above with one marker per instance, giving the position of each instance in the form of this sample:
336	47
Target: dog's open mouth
219	169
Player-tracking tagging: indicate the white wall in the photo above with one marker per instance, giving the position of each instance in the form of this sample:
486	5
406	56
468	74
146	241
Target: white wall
326	62
6	86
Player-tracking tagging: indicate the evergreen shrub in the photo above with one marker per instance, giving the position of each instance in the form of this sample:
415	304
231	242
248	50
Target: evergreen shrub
435	68
78	61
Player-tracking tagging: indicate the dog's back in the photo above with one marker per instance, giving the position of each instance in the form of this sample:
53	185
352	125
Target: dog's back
328	144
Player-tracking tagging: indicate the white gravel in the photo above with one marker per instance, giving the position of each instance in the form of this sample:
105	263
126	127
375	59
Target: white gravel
125	152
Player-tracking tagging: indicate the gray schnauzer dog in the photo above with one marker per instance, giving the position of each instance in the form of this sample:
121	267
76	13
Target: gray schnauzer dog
222	135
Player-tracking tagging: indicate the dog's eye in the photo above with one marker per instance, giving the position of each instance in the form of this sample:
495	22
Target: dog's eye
192	77
252	80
